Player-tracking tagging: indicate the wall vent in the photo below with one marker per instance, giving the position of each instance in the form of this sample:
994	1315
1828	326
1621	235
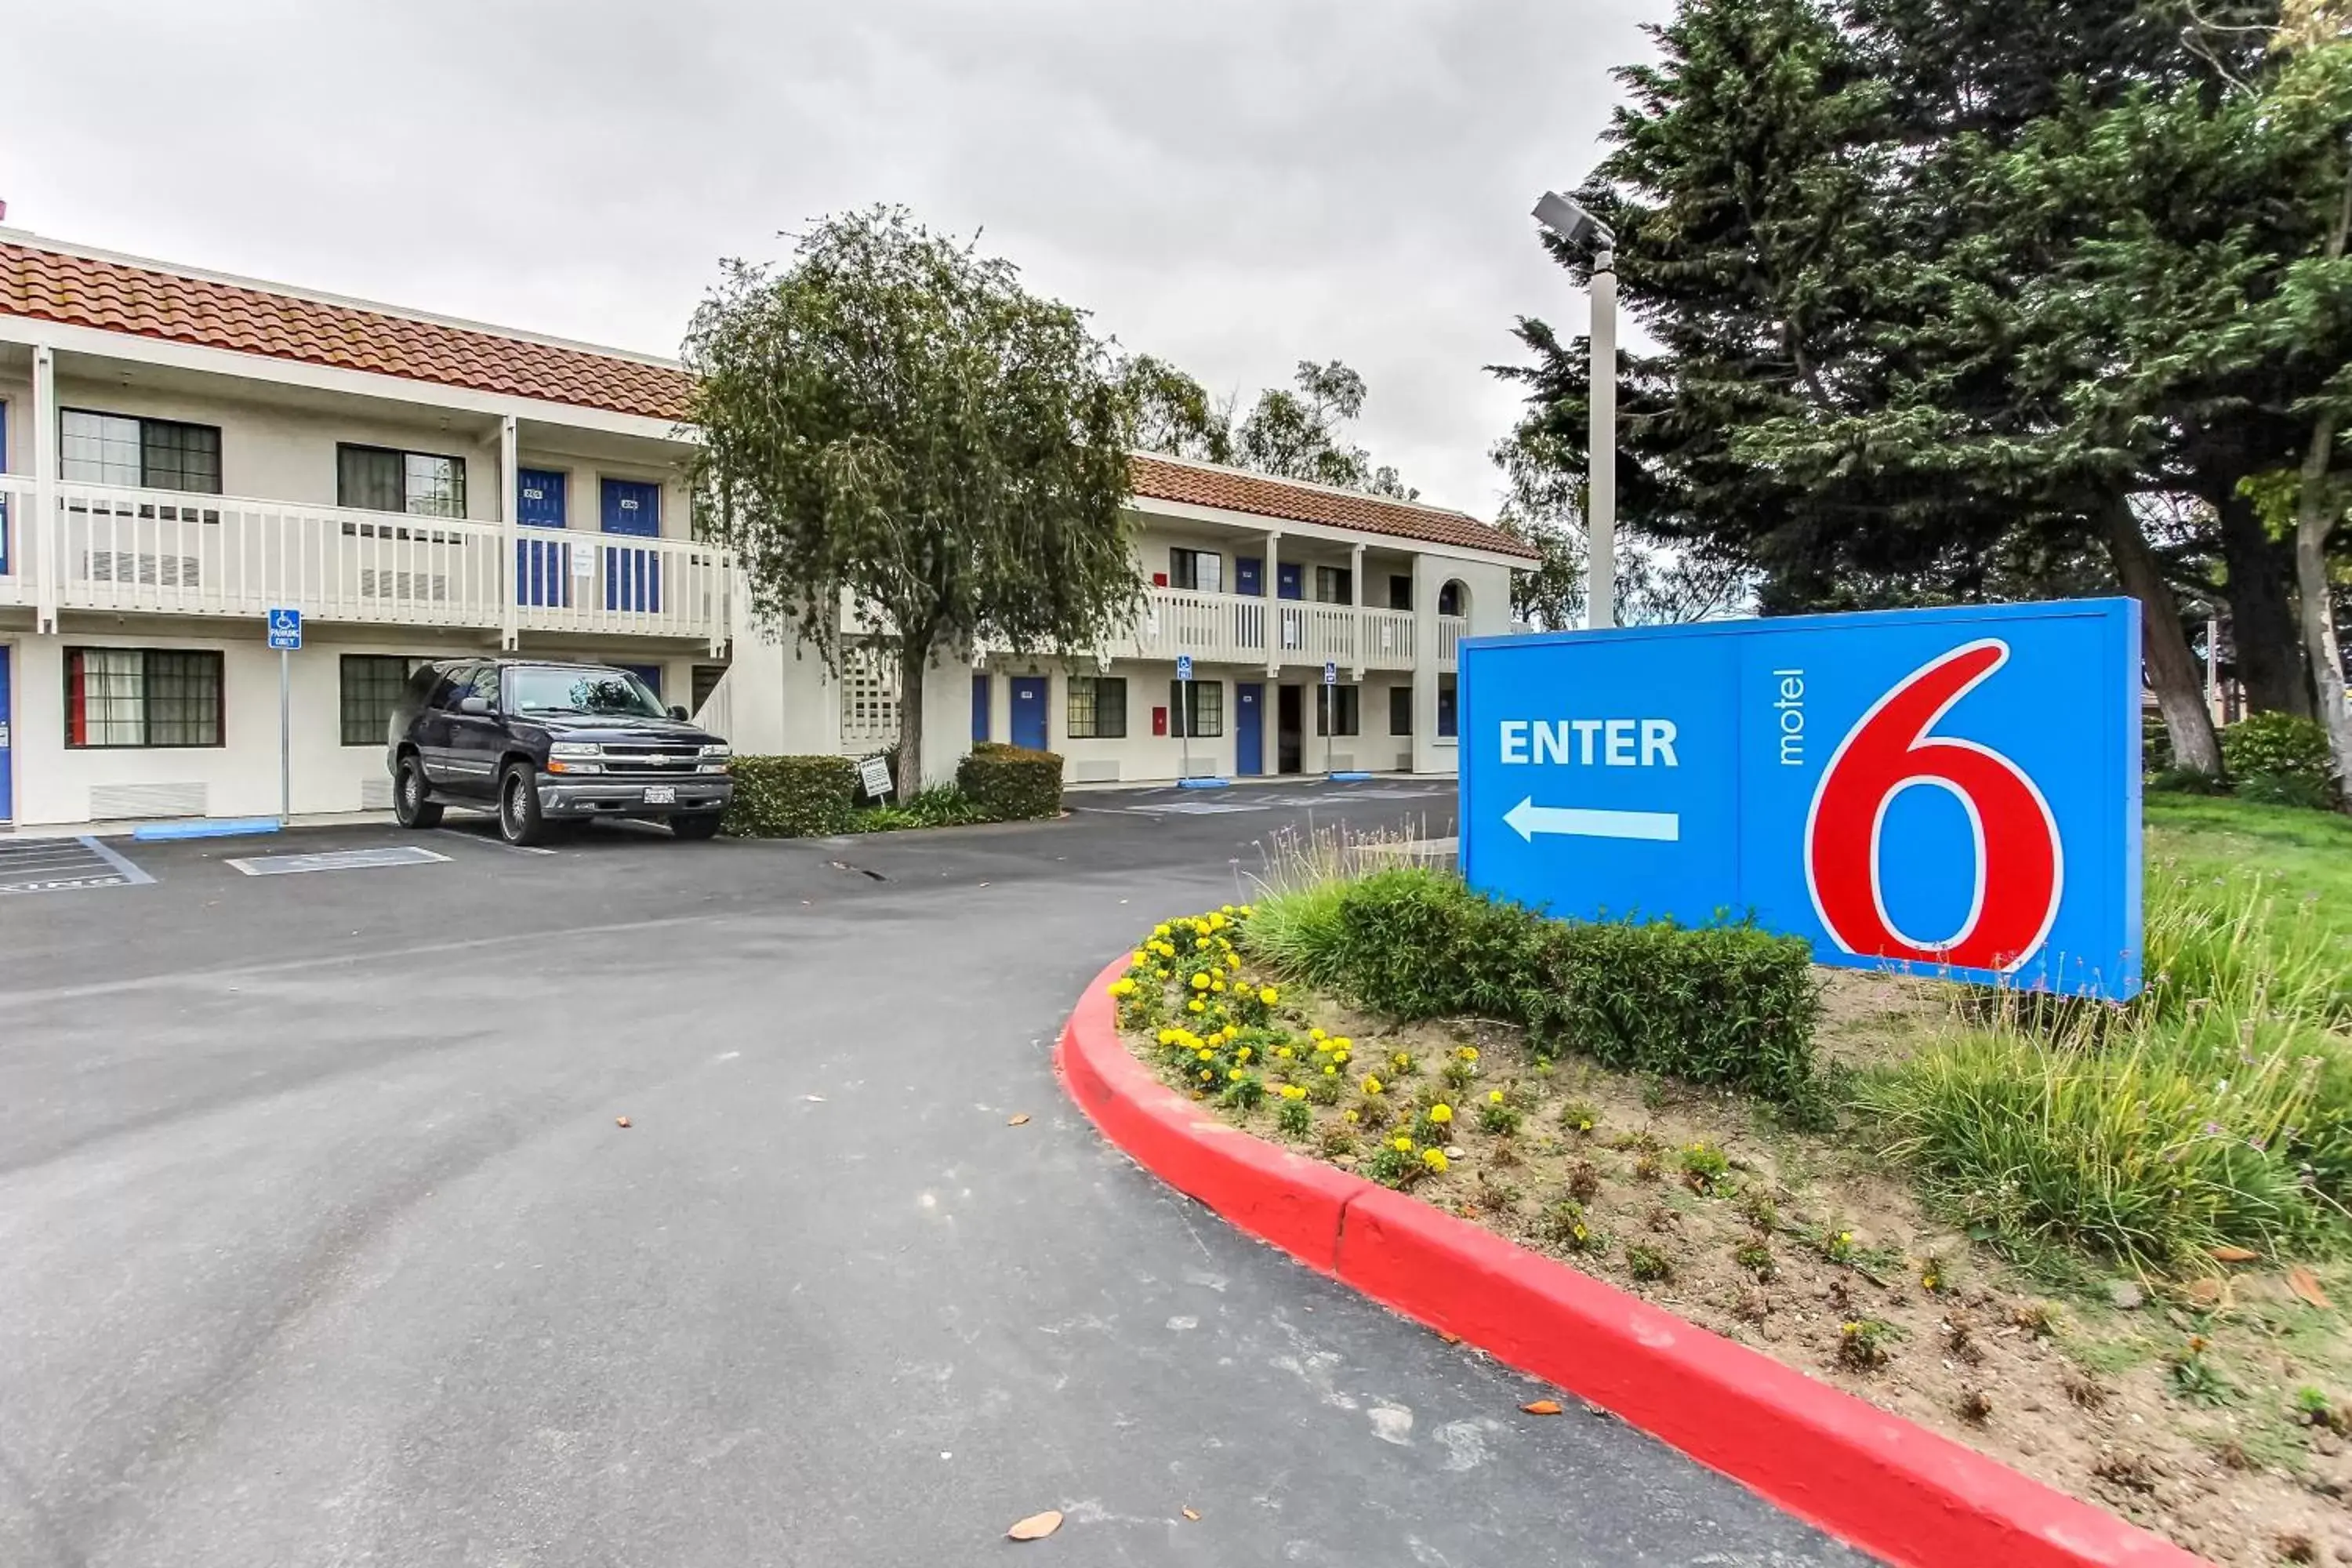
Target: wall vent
111	801
375	794
1094	770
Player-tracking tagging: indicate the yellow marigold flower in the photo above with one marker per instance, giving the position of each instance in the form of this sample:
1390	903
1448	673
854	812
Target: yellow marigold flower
1585	1125
1348	1116
1469	1053
1243	1055
1198	1006
1372	1086
1159	930
1342	1042
1235	1076
1216	923
1317	1035
1292	1092
1284	1052
1203	1055
1137	958
1328	1068
1218	986
1402	1058
1341	1056
1402	1145
1435	1160
1122	987
1224	909
1199	983
1494	1097
1233	960
1269	996
1441	1113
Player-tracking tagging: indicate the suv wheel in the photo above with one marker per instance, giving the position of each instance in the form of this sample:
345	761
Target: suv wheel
703	825
519	818
410	808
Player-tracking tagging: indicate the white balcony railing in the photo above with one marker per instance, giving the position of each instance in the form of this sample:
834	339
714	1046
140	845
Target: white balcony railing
1450	630
1234	629
162	551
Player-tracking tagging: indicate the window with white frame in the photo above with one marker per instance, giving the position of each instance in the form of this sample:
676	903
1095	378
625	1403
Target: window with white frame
1202	571
1097	707
380	479
1400	709
372	685
1335	585
1338	711
142	696
139	454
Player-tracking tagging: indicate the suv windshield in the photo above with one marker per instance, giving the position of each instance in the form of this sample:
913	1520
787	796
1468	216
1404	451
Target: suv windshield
546	689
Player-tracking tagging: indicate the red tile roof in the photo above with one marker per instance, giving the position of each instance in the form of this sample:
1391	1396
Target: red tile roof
151	302
1234	489
118	296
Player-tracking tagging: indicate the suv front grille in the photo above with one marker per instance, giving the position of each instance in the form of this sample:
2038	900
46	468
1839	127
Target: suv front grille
651	759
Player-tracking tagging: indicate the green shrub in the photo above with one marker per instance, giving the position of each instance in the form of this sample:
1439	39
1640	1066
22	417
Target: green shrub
2154	742
1011	783
790	797
945	806
2277	743
1726	1005
2300	790
2186	781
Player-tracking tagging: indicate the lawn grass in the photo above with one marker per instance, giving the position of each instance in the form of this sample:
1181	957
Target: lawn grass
2309	852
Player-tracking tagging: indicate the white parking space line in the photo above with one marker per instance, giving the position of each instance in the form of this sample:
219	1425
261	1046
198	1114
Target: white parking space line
486	842
337	861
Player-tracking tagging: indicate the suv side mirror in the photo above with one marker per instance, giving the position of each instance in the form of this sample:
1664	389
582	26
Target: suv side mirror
677	713
478	706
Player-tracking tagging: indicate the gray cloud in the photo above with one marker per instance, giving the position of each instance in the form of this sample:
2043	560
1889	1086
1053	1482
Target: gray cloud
1234	186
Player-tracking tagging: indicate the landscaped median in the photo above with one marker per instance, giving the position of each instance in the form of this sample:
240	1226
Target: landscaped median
1649	1175
812	796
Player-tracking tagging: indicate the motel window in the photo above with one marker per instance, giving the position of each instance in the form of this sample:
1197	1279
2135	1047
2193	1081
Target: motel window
1339	710
1199	707
1445	706
1400	709
122	697
1449	599
378	478
373	683
1400	590
1335	585
1097	707
141	454
1202	571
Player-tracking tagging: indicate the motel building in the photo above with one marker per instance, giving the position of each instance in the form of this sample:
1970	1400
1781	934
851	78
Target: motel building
181	451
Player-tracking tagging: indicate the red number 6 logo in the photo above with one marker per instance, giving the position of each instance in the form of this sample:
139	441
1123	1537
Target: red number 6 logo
2020	864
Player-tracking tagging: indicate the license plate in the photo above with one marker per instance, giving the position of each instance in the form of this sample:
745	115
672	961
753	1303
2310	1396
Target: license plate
661	794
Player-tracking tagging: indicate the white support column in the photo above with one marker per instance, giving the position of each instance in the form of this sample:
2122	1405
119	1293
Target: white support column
1429	575
1356	599
42	533
510	514
1272	583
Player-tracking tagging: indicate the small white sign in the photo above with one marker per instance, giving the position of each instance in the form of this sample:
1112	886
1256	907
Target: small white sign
583	565
874	772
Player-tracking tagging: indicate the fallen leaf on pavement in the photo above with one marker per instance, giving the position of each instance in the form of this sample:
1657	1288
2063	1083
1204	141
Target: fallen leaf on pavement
2205	1293
1451	1339
1542	1408
1192	1513
1037	1527
2303	1283
2233	1255
620	1122
1019	1119
813	1099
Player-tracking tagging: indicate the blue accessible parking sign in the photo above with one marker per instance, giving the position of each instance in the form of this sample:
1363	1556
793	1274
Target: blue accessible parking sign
285	630
1944	791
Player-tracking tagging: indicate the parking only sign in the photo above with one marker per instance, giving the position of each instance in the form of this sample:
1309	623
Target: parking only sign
1331	673
1951	792
285	629
1183	667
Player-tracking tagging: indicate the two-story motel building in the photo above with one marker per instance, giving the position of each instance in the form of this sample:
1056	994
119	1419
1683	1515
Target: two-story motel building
180	452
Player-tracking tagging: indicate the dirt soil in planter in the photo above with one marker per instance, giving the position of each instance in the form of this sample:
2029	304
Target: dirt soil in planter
2170	1403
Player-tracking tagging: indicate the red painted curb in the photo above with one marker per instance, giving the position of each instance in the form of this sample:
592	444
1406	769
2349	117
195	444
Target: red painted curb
1884	1484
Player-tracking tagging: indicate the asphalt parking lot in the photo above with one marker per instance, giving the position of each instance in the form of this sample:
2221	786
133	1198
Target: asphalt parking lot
319	1243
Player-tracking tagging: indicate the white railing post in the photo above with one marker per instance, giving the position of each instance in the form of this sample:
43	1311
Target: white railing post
44	531
1356	603
1273	588
503	578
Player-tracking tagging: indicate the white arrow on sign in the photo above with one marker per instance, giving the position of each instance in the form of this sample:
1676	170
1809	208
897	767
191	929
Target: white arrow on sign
1528	819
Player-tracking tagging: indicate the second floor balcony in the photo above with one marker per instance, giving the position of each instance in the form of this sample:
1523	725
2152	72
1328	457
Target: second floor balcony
106	547
1239	628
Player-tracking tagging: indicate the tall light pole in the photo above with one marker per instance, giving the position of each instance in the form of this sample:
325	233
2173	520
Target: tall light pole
1580	229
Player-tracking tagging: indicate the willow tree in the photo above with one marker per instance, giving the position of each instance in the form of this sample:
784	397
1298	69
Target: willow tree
893	421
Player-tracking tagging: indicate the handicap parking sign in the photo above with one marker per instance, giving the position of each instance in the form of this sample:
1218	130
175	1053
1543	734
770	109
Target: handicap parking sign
286	629
1183	667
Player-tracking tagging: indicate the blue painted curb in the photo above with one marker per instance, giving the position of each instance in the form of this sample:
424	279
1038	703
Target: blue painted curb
222	828
1350	778
1204	784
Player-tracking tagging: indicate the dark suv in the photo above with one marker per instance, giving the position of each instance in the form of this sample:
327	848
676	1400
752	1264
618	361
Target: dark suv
537	742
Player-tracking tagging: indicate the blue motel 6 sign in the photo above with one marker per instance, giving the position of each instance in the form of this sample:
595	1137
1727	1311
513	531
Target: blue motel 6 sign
1950	792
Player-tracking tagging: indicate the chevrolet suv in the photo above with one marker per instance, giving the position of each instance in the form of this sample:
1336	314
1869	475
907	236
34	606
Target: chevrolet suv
537	742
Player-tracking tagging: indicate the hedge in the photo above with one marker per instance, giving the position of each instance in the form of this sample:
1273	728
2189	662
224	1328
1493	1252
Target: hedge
1726	1004
790	797
1011	782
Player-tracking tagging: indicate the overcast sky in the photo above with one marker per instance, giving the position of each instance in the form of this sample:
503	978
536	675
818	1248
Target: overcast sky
1234	186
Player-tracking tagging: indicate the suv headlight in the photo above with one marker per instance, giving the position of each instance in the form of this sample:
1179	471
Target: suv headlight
575	748
718	753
